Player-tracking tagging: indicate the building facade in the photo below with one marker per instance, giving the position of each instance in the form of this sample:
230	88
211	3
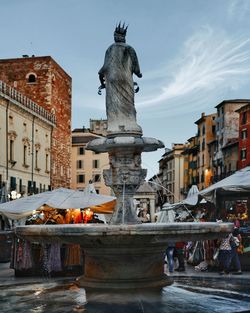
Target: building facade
171	168
87	165
25	136
227	132
244	136
99	127
43	81
205	135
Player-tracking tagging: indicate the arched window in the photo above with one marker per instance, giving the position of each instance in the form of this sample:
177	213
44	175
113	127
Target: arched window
31	78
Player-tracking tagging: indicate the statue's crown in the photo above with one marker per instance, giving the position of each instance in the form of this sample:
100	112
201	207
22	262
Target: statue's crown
121	30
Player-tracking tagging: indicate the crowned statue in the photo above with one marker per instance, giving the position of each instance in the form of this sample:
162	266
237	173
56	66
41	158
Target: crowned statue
116	76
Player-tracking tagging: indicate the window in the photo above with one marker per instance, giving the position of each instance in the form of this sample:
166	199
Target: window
80	178
20	185
202	177
203	130
11	150
203	145
96	163
12	183
36	159
244	134
96	178
80	151
24	155
243	154
46	163
79	164
31	78
244	118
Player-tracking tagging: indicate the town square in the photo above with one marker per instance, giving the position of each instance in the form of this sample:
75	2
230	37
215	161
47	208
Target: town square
125	159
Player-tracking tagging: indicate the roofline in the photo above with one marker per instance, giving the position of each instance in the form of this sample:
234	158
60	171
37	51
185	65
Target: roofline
35	57
244	108
232	101
203	118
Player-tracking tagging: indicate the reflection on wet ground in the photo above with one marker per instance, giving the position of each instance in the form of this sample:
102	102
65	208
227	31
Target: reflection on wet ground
192	295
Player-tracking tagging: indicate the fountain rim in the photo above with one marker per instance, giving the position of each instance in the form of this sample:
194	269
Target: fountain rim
125	229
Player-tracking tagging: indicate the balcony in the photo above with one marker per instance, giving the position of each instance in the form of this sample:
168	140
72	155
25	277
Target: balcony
22	101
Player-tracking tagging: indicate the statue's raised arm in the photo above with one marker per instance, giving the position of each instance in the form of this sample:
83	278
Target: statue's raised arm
116	75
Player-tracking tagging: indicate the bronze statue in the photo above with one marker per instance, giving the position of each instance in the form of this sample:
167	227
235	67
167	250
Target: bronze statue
116	75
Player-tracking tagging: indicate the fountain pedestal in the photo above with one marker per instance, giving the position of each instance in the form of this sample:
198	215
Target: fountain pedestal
125	173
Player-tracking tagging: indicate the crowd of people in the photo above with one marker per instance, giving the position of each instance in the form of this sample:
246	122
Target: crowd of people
220	254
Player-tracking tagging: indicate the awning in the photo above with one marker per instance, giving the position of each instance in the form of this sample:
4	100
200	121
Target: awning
61	198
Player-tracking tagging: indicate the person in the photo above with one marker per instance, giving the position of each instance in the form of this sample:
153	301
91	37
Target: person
116	76
225	254
170	256
179	252
235	260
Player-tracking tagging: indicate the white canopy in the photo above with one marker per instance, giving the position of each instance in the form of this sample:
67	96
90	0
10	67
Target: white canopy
191	200
61	198
238	184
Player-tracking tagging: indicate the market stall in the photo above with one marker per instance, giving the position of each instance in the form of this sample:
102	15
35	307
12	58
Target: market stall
231	197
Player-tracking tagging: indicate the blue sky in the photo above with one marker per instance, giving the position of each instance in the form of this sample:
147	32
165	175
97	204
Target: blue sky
193	54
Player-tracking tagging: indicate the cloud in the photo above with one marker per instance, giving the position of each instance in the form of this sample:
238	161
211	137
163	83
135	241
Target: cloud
238	9
210	61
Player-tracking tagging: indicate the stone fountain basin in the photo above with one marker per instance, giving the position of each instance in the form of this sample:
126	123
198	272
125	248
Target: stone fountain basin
124	256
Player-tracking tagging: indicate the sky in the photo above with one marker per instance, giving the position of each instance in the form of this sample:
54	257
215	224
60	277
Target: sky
193	54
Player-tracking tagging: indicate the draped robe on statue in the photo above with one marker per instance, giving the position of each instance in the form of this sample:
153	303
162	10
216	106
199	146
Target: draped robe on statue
119	65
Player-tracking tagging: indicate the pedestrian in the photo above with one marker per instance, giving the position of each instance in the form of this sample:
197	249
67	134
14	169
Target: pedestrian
170	256
179	252
225	254
235	260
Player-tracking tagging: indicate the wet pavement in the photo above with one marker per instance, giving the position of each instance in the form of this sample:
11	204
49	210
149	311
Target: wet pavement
191	292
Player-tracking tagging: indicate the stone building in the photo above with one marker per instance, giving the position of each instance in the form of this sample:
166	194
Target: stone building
87	165
191	154
205	135
25	136
43	81
99	127
171	172
145	198
244	136
227	132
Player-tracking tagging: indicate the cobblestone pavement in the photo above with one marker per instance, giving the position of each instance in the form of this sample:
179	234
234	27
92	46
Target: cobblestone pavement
191	292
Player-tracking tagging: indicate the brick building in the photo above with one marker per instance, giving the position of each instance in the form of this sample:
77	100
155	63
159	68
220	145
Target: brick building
244	136
42	80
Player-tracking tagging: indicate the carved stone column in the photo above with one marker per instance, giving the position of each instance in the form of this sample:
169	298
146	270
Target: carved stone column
124	177
125	173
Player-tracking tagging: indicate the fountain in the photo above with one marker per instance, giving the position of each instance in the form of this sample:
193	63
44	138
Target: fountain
124	254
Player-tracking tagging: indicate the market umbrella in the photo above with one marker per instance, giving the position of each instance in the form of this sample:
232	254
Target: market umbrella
235	185
61	198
